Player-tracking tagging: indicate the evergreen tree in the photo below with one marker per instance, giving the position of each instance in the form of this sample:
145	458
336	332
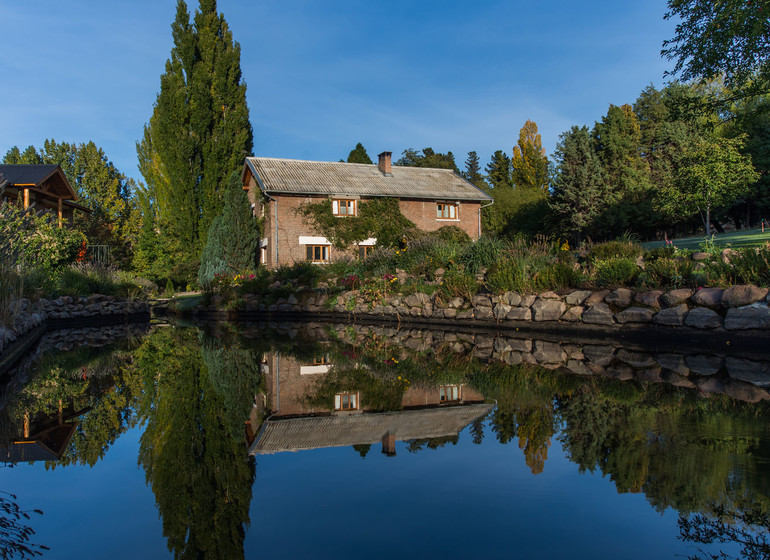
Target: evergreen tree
499	170
580	187
233	236
472	172
617	139
359	155
529	163
428	158
199	131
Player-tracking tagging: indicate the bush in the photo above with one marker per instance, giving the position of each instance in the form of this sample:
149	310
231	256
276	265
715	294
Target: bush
659	253
458	284
304	273
451	234
752	265
615	272
614	250
483	254
667	273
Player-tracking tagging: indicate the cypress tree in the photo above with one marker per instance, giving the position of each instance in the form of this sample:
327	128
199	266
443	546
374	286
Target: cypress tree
199	131
232	238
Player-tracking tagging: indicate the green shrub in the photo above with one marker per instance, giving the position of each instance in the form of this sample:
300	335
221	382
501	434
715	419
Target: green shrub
304	273
482	254
169	288
458	284
667	273
559	275
451	234
614	250
752	265
615	272
659	253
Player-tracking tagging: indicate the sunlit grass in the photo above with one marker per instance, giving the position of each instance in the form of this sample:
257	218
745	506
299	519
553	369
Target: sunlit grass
743	238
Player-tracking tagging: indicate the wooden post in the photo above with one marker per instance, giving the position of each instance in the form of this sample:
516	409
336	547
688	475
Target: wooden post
26	425
60	212
26	199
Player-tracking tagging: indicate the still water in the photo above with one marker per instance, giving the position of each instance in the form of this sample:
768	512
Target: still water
321	440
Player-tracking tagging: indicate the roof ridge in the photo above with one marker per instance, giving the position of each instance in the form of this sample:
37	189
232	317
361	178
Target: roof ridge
347	163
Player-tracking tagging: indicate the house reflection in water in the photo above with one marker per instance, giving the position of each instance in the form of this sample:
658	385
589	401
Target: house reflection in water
297	424
42	439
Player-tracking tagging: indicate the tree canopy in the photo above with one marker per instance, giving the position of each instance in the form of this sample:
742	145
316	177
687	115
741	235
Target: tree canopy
359	155
529	162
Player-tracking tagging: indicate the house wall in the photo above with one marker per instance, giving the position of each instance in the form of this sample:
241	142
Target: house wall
292	226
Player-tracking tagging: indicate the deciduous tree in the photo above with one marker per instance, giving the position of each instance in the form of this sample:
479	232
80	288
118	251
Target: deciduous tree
529	162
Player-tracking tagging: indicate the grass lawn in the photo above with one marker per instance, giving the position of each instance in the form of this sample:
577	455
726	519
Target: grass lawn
742	238
186	301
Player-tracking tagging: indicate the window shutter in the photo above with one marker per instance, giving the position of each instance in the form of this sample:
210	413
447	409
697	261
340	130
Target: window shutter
335	207
310	252
337	402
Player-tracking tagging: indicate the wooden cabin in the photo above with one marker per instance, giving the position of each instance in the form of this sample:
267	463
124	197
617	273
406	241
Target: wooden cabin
44	186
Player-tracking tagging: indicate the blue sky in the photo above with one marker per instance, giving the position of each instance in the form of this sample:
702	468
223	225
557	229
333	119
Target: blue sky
323	75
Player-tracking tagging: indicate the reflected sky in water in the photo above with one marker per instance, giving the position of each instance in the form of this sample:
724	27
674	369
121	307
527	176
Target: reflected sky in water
559	465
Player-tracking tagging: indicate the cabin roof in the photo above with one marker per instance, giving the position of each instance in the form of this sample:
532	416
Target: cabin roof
48	178
293	176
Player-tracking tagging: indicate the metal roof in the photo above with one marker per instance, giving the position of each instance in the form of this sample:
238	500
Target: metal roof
315	432
293	176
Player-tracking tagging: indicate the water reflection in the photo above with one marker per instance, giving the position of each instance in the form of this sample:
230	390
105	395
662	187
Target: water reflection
687	430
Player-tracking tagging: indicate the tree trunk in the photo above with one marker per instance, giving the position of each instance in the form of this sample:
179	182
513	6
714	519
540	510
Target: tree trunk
708	221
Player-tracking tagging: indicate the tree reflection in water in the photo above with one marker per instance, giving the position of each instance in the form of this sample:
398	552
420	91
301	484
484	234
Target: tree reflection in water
193	391
15	534
197	392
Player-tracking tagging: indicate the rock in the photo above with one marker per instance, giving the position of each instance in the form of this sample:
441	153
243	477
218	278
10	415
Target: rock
704	365
519	314
757	373
512	298
577	297
624	373
727	254
527	301
700	256
483	313
599	355
549	353
549	295
635	315
675	297
573	314
598	314
292	299
440	272
481	300
468	313
635	359
677	379
738	296
520	344
674	362
703	318
501	311
548	309
450	313
650	299
707	297
756	316
455	303
502	346
674	316
576	366
596	297
620	297
746	392
710	385
650	375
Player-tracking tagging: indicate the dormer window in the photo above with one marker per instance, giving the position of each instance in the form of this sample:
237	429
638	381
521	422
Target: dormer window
343	207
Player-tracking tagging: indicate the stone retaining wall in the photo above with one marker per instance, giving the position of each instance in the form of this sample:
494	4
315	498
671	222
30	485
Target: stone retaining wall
31	315
736	308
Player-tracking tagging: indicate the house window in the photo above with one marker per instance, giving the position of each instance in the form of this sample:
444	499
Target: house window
344	207
318	253
346	401
446	211
320	359
364	251
263	255
449	393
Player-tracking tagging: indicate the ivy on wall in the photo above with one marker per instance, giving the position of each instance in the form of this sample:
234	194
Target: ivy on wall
380	218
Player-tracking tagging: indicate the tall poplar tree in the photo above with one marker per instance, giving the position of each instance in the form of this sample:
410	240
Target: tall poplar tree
199	132
529	162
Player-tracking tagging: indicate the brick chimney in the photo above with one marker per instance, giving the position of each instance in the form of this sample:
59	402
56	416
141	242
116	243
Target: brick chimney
384	163
389	442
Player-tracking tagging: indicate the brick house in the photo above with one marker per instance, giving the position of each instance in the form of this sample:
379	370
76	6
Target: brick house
431	198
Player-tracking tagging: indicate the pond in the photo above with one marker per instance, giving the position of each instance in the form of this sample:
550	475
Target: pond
311	440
